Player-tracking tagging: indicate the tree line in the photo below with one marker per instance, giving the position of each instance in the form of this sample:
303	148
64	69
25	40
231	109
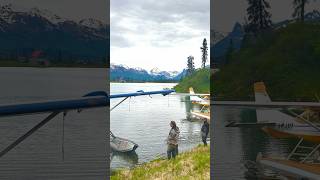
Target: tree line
190	59
259	18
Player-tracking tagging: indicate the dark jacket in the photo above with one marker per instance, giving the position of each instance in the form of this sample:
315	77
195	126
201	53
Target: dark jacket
205	128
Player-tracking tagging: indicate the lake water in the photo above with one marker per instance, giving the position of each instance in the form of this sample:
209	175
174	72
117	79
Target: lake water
40	155
233	146
145	121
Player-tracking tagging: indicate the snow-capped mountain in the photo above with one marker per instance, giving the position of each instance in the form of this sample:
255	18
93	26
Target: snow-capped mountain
168	74
125	73
23	31
92	23
53	18
312	16
155	71
174	73
8	12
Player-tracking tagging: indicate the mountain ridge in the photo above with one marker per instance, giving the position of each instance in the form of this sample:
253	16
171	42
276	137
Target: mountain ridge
123	73
60	40
222	44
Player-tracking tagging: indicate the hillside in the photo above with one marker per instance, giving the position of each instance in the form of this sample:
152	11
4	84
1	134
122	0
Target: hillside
122	73
199	80
287	60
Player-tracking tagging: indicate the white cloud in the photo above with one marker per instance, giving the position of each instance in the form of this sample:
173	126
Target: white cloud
158	33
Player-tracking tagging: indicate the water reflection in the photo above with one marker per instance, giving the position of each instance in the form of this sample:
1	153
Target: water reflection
40	156
234	146
131	158
189	107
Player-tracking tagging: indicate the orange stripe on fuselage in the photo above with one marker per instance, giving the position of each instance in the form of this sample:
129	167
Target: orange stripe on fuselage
282	134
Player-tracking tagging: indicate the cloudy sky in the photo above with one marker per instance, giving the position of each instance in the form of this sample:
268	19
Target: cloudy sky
227	12
71	9
158	33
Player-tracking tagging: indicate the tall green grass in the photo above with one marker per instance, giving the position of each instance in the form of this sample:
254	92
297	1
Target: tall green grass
194	164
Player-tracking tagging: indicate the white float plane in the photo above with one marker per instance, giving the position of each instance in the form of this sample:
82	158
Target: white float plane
303	161
202	100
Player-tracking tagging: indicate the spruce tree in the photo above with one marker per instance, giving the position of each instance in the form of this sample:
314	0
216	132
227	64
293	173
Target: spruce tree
299	9
259	18
204	50
190	65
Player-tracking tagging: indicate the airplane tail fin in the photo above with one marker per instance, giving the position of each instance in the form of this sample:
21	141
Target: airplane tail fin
191	91
269	115
260	92
194	98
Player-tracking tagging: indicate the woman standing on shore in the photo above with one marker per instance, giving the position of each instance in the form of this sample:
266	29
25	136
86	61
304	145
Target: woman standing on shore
172	140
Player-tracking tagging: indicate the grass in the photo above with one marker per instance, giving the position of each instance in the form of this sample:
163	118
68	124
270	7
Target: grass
193	164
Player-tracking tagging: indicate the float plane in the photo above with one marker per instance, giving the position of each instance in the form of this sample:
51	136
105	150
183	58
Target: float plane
282	120
204	101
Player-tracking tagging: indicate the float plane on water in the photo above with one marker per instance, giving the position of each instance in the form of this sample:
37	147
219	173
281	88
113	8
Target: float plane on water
281	120
98	99
200	99
204	101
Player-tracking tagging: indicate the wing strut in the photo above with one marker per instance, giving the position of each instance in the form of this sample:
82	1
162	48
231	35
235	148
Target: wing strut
27	134
305	120
62	146
119	103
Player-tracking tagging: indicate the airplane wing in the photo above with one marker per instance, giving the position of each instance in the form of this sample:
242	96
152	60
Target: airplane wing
188	94
262	100
266	109
267	105
91	100
202	99
53	106
141	93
